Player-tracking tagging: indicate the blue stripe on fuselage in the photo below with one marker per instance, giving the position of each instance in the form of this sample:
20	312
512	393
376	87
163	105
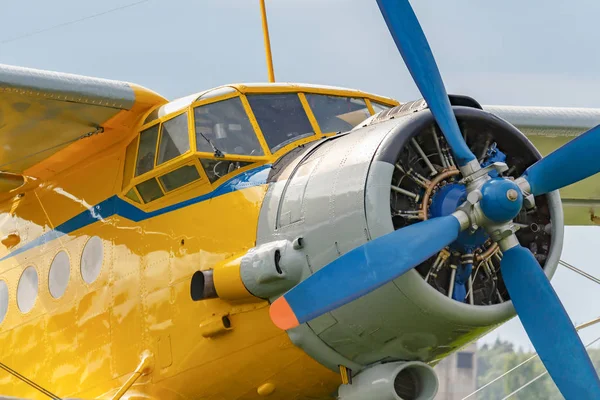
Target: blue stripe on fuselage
116	206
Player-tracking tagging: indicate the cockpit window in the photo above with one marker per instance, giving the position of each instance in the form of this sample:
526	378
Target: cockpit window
132	195
281	118
180	177
149	190
147	150
225	125
377	107
216	169
174	138
337	114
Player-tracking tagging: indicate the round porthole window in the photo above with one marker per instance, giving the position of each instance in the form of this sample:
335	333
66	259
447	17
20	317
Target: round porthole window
3	300
91	259
58	277
27	290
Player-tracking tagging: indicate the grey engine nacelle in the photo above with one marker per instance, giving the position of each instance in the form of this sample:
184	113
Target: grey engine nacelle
336	194
392	381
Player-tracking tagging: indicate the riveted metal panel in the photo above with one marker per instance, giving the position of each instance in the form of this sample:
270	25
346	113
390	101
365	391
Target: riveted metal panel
66	87
331	217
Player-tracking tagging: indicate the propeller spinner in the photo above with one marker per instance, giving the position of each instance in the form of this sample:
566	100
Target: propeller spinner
491	204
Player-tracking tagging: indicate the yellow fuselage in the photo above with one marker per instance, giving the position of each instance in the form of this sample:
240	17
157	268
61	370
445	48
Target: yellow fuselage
89	342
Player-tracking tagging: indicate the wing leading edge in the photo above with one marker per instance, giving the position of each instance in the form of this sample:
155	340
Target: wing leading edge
42	112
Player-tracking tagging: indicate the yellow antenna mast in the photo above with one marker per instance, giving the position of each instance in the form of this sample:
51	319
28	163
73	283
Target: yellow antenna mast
263	11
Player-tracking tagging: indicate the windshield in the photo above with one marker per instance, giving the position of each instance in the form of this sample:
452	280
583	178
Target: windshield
337	114
378	107
281	118
225	126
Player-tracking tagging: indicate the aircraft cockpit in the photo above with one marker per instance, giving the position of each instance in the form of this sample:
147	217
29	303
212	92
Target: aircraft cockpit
206	137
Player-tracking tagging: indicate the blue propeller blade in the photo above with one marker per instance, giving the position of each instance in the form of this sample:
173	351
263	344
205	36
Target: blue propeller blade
412	44
548	326
569	164
363	270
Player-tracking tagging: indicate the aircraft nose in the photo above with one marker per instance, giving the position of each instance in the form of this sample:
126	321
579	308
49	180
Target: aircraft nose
320	192
344	191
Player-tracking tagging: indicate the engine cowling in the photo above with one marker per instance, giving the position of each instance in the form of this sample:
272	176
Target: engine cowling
394	170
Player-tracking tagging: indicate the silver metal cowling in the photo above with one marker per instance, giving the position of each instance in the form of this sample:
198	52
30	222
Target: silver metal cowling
336	196
392	381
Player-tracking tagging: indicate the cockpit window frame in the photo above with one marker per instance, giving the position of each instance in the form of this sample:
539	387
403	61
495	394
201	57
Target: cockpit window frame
156	124
237	157
160	137
284	149
291	143
165	164
192	156
172	165
365	100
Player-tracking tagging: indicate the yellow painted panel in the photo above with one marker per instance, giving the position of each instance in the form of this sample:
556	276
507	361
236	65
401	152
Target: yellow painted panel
97	366
93	325
158	313
66	365
164	354
126	324
27	346
62	319
156	270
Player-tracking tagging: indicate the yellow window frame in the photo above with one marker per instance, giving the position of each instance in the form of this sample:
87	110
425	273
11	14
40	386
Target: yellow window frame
129	188
228	176
137	150
253	123
160	134
289	146
192	156
369	105
130	174
189	159
189	162
308	107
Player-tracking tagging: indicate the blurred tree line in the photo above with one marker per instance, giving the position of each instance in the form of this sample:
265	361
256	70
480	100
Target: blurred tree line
493	361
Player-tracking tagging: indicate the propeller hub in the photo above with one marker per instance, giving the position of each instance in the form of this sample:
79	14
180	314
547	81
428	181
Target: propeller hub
447	199
444	202
501	199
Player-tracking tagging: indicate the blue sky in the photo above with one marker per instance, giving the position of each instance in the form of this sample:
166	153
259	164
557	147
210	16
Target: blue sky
510	52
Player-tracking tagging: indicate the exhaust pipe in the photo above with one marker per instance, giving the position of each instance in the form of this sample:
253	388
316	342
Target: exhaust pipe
411	380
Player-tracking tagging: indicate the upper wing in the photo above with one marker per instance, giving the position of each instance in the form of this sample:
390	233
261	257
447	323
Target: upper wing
548	128
42	112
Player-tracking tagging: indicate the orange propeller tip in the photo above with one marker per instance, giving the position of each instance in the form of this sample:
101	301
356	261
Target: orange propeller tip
282	314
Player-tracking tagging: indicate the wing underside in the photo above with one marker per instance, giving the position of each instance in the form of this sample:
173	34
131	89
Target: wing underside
42	112
549	128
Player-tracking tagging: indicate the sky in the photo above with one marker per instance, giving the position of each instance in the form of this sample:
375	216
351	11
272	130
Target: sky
510	53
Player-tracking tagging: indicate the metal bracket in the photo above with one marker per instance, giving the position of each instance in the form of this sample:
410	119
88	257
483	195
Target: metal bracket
468	207
497	166
528	199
